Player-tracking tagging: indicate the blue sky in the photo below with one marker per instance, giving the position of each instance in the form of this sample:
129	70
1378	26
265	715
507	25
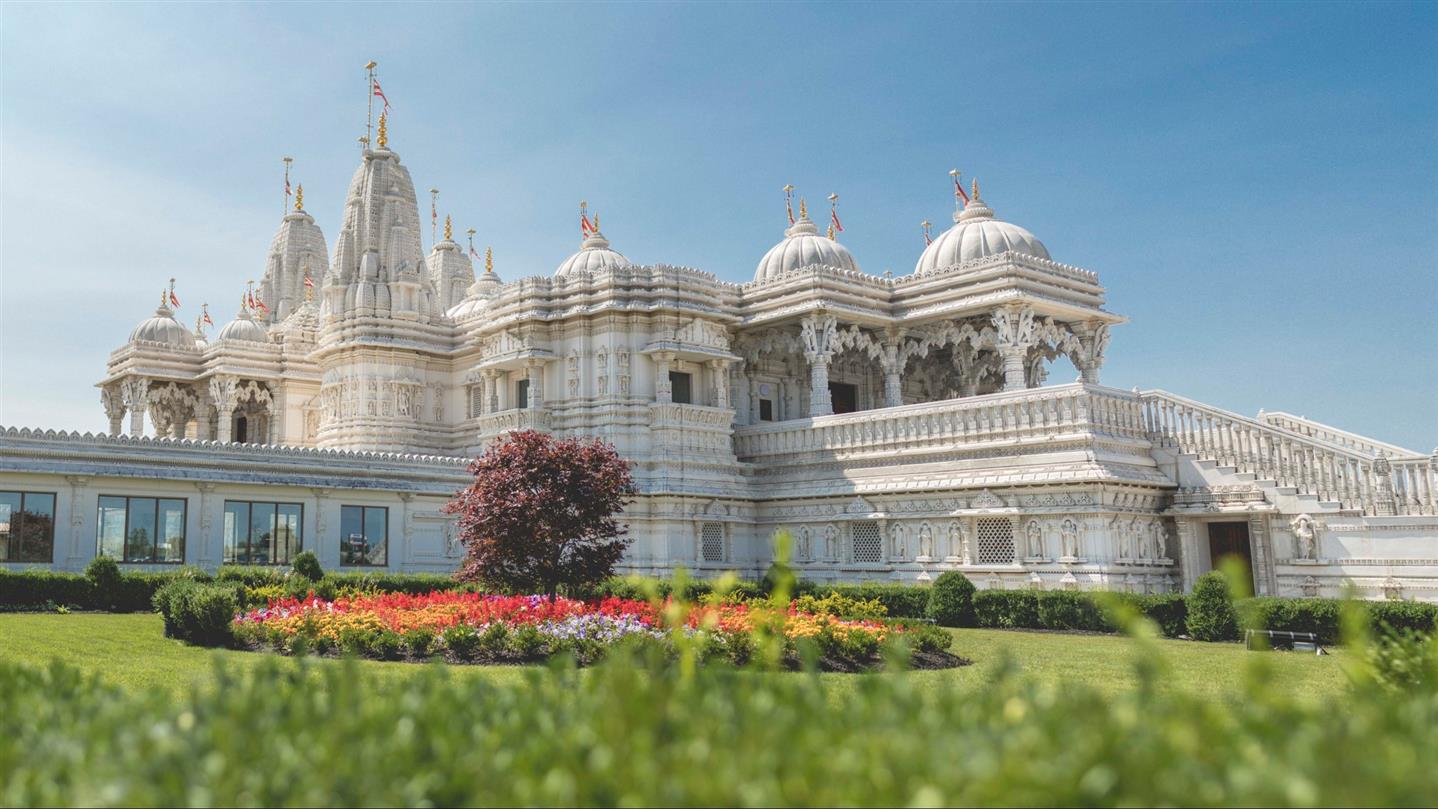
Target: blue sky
1256	185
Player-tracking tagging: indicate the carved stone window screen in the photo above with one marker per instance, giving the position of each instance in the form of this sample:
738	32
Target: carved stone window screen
995	541
711	542
868	545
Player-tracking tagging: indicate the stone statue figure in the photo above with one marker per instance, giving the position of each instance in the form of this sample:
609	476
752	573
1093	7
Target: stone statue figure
926	541
1036	540
831	542
1069	539
900	547
1305	537
804	544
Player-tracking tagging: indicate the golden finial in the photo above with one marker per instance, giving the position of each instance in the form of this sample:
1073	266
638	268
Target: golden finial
383	131
300	197
975	186
162	297
596	222
803	208
831	231
489	259
448	229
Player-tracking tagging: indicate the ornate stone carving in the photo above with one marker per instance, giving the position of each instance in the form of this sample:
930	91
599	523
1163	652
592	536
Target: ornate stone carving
1305	537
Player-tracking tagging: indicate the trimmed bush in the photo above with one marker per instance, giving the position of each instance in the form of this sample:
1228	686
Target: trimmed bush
40	589
199	613
902	601
1210	609
1064	610
1169	611
951	600
307	564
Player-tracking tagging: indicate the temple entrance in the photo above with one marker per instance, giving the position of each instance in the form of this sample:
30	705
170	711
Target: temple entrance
1230	540
844	397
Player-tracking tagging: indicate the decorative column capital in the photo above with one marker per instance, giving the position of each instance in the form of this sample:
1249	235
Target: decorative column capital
817	332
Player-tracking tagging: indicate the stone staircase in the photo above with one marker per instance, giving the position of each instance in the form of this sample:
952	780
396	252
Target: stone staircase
1298	465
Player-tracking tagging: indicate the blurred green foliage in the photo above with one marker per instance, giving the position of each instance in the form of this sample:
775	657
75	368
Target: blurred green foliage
639	731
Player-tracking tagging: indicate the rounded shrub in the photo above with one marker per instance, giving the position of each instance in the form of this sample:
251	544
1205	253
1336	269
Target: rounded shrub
307	564
951	600
104	575
1211	616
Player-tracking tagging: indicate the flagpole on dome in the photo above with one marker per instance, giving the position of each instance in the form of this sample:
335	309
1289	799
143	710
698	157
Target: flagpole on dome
834	223
928	240
960	198
789	202
285	209
174	301
472	254
585	229
433	214
369	98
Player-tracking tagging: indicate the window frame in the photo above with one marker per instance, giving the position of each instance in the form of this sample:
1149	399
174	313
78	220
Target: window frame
364	519
15	539
274	527
674	395
155	540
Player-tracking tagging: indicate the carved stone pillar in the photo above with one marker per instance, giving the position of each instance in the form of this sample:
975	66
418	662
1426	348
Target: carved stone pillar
720	371
1385	500
893	382
1014	335
663	388
1093	339
534	372
818	333
75	553
136	395
113	401
490	391
202	415
753	397
222	393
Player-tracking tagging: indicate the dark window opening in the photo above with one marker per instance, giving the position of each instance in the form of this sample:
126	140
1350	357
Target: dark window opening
521	394
681	388
364	535
242	430
845	397
766	410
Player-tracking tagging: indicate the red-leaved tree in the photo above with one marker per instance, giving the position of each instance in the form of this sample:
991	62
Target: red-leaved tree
542	513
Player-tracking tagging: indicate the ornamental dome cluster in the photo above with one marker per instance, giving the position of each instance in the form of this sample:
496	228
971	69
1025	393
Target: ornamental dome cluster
803	246
977	234
163	328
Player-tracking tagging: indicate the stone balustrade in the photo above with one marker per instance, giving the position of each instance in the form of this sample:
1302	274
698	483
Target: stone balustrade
492	425
1334	472
1028	415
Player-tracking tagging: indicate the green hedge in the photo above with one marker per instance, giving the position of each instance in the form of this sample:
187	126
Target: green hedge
127	592
201	613
634	732
1322	616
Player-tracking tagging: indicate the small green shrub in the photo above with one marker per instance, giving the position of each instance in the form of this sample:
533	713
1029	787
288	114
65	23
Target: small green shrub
1007	609
1211	616
1065	610
951	600
842	606
419	643
1403	659
104	575
307	564
461	641
200	613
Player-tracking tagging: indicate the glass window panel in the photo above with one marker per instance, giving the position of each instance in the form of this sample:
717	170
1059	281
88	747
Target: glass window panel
287	532
237	533
376	530
112	528
352	544
37	528
9	525
262	533
521	394
680	388
140	541
170	544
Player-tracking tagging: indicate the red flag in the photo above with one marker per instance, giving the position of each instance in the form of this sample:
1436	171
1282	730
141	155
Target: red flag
260	305
250	299
585	228
959	190
309	282
380	94
287	185
473	254
174	301
207	320
928	240
834	217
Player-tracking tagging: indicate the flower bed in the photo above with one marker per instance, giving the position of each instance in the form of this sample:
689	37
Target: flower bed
479	628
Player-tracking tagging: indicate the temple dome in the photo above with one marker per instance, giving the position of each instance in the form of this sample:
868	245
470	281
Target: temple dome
594	255
977	234
243	327
803	246
163	328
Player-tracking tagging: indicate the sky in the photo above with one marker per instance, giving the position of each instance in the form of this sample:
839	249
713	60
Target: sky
1255	184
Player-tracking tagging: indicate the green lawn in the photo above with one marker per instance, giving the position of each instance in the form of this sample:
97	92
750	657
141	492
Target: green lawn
131	651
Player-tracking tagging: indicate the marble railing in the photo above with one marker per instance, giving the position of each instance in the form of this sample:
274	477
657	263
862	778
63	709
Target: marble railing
1332	435
1034	414
1334	472
494	424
